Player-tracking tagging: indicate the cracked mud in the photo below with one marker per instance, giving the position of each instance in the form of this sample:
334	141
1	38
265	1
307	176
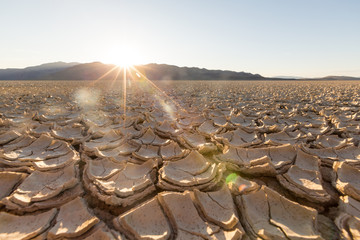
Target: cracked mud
206	160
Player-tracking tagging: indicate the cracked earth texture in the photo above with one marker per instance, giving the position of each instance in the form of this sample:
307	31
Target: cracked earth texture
183	160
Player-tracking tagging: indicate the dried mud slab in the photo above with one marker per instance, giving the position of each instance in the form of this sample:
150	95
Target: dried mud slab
219	118
185	218
60	116
348	225
349	154
18	143
44	153
41	186
24	227
267	214
8	182
125	149
74	134
284	137
316	131
131	132
146	221
189	121
171	215
44	147
193	171
259	161
167	129
323	153
101	231
172	151
71	157
331	141
150	138
346	179
39	129
243	121
348	218
109	140
119	184
73	220
147	152
218	207
102	168
57	201
255	211
209	128
196	141
9	136
304	180
349	205
238	138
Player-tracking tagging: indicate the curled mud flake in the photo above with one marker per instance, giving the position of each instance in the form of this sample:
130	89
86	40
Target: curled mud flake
193	171
73	220
40	186
345	179
266	213
31	225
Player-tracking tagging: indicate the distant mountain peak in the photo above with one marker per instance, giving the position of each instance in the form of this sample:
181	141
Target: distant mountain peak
339	77
90	71
34	72
58	64
289	77
153	71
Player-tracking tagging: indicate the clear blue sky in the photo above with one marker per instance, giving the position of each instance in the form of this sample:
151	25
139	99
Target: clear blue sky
307	38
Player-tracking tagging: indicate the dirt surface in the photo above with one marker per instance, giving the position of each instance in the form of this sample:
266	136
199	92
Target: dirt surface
179	160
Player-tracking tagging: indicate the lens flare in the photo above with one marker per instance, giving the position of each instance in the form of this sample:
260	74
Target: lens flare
129	78
231	178
87	98
156	88
234	183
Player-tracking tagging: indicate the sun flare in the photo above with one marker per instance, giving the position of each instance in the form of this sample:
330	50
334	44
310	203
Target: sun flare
123	57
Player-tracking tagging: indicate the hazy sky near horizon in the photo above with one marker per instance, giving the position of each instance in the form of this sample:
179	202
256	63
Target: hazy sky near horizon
309	38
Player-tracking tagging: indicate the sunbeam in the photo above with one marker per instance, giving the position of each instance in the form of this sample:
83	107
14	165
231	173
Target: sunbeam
132	74
115	78
124	92
104	75
140	75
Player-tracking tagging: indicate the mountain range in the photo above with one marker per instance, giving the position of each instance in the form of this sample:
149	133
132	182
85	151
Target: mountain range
98	70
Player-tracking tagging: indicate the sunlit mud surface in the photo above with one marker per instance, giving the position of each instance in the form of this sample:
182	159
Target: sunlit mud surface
179	160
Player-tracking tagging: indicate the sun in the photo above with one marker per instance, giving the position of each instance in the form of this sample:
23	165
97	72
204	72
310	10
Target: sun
123	56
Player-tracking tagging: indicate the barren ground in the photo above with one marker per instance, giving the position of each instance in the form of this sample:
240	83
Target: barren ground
179	160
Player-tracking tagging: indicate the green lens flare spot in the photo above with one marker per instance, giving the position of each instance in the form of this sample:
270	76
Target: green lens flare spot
231	178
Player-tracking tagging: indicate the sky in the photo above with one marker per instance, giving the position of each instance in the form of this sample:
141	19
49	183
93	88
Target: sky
306	38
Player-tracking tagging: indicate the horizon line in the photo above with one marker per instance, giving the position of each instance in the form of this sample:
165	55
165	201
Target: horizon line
277	76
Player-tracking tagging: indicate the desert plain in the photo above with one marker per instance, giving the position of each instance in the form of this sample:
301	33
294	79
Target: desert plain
180	160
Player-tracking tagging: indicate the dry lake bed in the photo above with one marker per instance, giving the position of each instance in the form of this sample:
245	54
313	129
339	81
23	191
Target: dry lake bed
179	160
